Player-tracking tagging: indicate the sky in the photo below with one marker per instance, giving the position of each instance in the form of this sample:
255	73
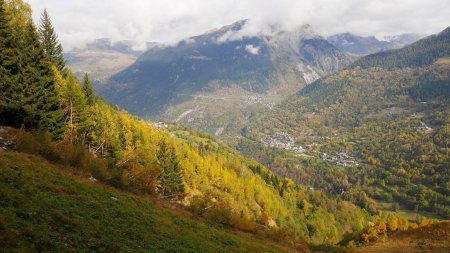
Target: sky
78	22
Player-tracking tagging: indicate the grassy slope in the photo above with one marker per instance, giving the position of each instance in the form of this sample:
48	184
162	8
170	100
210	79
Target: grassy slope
46	208
406	214
434	238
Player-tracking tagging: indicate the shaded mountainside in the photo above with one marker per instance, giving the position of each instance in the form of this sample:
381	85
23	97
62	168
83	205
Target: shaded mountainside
359	45
376	128
166	77
172	75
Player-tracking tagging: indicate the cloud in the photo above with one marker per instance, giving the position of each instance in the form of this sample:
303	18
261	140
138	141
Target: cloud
252	49
78	22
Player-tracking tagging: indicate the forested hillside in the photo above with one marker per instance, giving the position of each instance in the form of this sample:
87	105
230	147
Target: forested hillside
61	120
50	209
380	127
421	53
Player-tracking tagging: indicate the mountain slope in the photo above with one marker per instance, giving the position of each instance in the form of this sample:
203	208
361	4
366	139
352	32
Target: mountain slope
46	208
433	238
225	69
102	58
358	45
113	148
421	53
381	125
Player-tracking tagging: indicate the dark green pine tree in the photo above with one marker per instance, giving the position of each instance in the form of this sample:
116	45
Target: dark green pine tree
88	90
170	175
50	42
38	96
11	112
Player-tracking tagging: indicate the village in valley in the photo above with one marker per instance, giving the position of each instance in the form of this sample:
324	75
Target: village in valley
287	142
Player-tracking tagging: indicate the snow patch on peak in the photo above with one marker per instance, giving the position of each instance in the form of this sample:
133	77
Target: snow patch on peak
252	49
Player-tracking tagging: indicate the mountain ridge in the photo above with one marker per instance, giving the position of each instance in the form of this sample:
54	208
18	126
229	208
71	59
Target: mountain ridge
103	57
168	81
361	46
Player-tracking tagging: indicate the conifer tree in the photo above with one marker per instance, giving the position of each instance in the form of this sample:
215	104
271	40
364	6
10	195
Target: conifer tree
50	42
28	92
170	175
75	107
88	90
9	70
37	87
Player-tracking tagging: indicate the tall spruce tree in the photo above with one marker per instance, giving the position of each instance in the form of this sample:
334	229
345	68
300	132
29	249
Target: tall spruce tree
9	71
170	174
28	93
88	91
50	42
39	96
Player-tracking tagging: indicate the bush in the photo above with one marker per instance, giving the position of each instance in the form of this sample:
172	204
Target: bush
413	226
72	155
140	179
392	222
198	205
221	213
243	223
64	153
98	167
282	235
39	143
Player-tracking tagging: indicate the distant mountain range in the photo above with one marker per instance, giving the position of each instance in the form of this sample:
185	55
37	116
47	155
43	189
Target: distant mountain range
212	80
216	80
103	57
358	45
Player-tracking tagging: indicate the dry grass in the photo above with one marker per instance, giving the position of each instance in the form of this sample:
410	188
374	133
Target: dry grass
433	238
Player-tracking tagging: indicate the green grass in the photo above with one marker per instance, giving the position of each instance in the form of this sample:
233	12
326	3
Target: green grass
47	208
407	214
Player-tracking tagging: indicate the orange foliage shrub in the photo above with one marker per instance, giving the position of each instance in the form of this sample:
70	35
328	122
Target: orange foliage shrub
243	223
64	153
140	179
413	226
381	228
392	222
403	224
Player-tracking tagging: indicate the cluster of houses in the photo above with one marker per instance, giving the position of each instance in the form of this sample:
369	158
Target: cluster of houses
160	125
424	127
253	99
285	141
258	99
341	158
